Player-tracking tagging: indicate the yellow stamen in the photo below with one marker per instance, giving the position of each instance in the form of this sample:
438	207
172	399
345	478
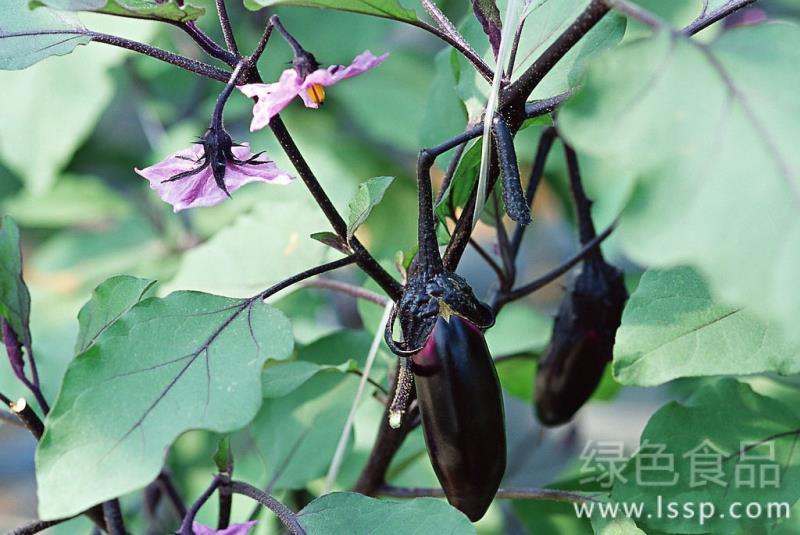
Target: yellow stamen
317	93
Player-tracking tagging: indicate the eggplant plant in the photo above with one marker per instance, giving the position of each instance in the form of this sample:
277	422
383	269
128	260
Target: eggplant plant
251	359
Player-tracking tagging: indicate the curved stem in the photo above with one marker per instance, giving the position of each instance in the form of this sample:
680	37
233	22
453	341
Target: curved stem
208	45
284	514
324	268
112	514
188	520
583	206
467	51
546	279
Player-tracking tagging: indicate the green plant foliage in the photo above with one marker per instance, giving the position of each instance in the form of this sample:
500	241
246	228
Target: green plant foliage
718	129
169	10
186	361
29	36
390	9
15	301
722	419
369	194
673	328
347	512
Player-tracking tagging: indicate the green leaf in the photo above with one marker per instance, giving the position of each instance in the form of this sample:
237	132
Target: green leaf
27	37
230	263
369	194
169	10
332	240
73	200
348	512
713	427
109	301
390	9
186	361
672	327
15	301
702	136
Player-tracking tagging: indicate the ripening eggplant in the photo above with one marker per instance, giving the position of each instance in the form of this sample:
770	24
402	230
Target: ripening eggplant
462	414
457	389
582	342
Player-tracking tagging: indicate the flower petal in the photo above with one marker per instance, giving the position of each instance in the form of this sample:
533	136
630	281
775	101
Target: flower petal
272	98
262	168
233	529
200	189
336	73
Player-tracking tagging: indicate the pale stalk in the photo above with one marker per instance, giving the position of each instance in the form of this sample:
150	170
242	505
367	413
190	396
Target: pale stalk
510	23
338	457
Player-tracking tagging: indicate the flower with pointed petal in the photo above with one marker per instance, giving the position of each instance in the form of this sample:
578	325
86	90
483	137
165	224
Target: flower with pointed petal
233	529
209	171
303	82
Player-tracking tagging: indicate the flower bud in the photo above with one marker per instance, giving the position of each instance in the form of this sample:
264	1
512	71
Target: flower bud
461	407
582	342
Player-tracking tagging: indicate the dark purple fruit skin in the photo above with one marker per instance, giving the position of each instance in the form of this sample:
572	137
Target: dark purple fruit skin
582	342
462	414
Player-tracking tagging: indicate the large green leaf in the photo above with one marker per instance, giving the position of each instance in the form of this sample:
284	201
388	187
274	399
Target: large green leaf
15	301
186	361
27	36
390	9
110	300
169	10
705	138
719	433
368	195
673	328
259	249
347	512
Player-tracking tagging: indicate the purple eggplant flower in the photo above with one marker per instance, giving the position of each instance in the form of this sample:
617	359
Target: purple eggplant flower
308	83
233	529
209	171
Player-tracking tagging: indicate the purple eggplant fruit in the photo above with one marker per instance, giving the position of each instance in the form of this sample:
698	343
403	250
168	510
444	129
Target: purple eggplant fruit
462	414
582	342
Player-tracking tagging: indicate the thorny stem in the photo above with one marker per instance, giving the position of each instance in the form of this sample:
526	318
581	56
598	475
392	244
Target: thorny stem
188	520
551	495
362	257
718	14
208	45
454	37
227	30
197	67
262	43
284	514
38	526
